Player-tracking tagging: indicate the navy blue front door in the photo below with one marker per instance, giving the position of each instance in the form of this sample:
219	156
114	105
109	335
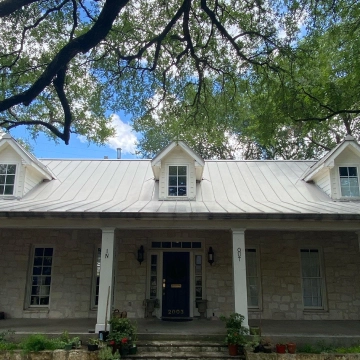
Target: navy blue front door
176	285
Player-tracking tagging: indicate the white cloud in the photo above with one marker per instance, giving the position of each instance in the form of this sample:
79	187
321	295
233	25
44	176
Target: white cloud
125	137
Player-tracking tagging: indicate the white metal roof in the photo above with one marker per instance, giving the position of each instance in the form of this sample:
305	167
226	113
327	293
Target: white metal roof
227	187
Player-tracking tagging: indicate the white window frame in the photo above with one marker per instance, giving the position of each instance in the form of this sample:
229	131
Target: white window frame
321	277
30	272
258	279
168	185
346	165
15	178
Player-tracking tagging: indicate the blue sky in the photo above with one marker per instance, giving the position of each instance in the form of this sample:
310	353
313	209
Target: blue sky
80	149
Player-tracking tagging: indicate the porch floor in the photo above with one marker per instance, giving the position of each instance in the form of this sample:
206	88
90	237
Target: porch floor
342	332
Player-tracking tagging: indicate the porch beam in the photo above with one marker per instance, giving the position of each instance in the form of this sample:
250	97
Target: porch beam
239	268
106	279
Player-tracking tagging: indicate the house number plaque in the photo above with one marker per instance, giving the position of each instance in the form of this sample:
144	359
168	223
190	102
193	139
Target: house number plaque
177	312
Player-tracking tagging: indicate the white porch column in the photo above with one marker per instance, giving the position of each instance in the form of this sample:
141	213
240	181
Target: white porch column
239	268
106	278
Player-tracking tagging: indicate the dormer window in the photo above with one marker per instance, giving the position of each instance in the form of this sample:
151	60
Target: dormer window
7	179
177	181
349	181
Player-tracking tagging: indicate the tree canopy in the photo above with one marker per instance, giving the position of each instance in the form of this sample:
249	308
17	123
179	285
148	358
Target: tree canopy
65	65
299	111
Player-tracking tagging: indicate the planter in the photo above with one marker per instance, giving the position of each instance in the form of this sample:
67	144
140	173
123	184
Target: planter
68	347
233	349
281	348
291	348
267	349
150	305
202	306
93	347
103	335
133	350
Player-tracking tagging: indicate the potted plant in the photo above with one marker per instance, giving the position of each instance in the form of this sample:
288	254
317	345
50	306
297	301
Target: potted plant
281	348
122	335
233	340
236	332
291	347
93	344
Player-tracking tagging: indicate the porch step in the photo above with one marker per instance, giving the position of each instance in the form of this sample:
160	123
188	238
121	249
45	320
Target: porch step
181	346
182	356
176	350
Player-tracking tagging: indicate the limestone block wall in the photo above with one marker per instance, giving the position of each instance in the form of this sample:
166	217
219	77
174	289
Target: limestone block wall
72	272
278	253
281	274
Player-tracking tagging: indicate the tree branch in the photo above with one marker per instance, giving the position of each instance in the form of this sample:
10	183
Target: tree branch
7	7
82	44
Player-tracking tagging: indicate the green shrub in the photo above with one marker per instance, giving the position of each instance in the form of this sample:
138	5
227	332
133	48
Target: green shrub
8	346
348	350
105	353
39	342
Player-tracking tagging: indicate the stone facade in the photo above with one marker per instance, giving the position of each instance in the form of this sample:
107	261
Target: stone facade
278	253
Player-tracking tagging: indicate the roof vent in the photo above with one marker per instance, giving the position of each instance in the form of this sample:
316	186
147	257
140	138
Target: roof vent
118	153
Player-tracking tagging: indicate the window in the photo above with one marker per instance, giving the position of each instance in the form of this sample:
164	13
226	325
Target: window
311	278
97	275
7	179
349	182
198	278
41	276
252	278
177	181
153	276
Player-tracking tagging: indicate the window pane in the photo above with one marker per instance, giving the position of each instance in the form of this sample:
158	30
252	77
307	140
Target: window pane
3	168
343	171
172	170
172	191
48	251
176	244
173	181
9	190
156	244
352	171
182	180
38	260
182	191
2	179
182	170
11	169
39	252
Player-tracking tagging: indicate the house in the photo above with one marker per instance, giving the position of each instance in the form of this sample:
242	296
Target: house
267	239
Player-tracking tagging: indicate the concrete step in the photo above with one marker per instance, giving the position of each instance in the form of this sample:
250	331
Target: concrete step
181	346
184	356
182	350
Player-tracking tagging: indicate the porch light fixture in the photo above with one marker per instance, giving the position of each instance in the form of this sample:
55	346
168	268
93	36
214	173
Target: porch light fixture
140	256
210	256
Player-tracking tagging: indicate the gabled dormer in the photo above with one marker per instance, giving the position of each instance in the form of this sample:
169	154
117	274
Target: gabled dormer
177	168
337	173
20	171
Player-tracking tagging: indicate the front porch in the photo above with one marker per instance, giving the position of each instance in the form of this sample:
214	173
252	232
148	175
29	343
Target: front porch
336	332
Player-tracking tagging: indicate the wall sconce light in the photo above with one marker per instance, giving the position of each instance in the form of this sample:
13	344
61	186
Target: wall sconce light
140	256
210	256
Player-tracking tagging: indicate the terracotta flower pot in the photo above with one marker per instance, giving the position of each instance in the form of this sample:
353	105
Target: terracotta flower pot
291	348
281	348
233	349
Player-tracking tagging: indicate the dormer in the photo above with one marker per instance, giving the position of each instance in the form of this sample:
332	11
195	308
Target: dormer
20	171
177	168
337	173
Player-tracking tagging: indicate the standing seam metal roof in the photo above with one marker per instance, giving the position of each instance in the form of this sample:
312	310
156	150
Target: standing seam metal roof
229	187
